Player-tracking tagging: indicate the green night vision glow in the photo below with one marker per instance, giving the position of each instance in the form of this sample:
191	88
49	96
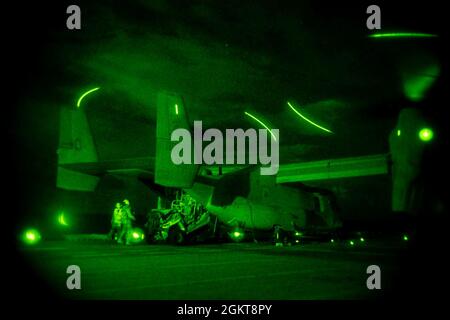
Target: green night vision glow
332	240
261	123
405	237
85	94
136	235
399	132
62	220
362	239
352	243
308	120
426	134
237	235
417	84
176	109
31	236
403	35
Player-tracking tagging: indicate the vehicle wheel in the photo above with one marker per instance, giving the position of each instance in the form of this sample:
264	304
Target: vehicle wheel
176	235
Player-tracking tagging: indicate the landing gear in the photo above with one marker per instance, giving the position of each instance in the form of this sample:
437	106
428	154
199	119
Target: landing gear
282	237
176	235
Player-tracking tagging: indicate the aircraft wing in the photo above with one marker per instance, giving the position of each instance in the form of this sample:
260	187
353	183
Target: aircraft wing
377	164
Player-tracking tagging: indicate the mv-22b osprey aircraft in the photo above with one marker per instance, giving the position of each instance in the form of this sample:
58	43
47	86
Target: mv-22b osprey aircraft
239	196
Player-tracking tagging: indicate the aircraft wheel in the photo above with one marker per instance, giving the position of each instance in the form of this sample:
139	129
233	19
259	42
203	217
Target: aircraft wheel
176	236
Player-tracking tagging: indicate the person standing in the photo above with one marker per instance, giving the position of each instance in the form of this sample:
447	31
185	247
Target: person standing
116	222
127	218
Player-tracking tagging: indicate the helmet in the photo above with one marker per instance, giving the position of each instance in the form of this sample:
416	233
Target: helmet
126	202
118	205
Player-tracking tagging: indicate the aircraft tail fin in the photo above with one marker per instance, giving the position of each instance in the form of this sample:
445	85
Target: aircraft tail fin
76	145
170	115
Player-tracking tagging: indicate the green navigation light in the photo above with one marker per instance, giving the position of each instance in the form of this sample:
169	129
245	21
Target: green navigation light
31	236
405	237
85	94
403	35
261	123
237	235
362	239
307	120
136	235
352	243
426	134
332	240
